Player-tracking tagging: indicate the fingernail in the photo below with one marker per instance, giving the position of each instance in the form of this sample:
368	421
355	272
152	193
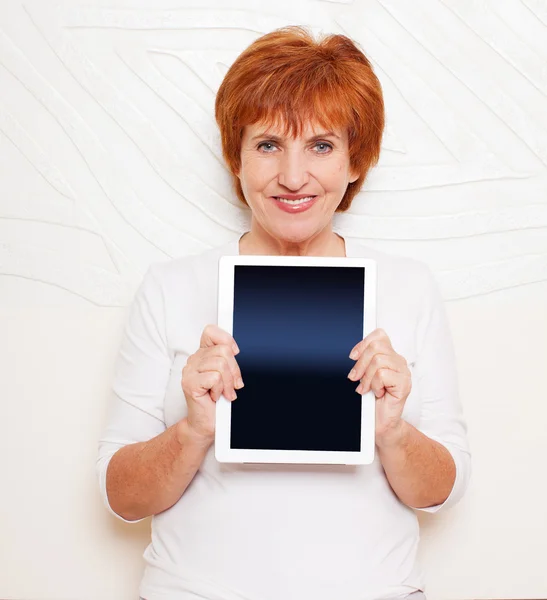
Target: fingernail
235	348
351	374
234	396
239	383
354	354
359	389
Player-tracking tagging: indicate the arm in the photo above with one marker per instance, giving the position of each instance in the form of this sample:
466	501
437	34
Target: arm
420	470
137	454
427	466
147	478
143	467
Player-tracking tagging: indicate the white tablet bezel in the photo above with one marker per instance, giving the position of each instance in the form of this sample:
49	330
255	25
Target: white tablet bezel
223	452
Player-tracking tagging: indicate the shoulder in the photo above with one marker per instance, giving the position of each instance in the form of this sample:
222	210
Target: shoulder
407	295
394	269
181	295
179	272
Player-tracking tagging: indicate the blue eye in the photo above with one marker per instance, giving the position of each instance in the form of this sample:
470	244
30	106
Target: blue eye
326	147
262	146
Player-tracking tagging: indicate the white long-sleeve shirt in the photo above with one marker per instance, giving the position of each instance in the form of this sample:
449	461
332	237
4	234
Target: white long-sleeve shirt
280	532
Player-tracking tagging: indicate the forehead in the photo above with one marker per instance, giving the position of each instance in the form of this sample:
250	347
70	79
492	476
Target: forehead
282	129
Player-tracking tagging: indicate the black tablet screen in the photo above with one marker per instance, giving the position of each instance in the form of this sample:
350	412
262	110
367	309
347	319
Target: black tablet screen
295	327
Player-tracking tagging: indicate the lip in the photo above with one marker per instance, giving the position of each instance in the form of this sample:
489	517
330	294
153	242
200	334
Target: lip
294	209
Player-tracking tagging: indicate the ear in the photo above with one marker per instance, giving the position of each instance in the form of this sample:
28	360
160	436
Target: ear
353	176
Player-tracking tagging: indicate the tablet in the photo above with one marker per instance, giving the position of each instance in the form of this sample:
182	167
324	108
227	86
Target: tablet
295	320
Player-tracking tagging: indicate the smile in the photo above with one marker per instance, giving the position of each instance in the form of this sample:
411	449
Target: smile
294	202
294	205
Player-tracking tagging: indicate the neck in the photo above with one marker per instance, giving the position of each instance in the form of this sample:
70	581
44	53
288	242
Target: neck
324	243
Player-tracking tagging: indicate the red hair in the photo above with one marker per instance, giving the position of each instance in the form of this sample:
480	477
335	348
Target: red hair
287	77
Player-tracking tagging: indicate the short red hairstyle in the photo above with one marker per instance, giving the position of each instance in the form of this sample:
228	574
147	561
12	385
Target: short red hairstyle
287	77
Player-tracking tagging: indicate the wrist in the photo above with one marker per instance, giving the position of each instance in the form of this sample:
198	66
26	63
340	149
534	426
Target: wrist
186	434
392	436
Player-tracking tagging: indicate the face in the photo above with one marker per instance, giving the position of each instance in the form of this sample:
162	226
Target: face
294	185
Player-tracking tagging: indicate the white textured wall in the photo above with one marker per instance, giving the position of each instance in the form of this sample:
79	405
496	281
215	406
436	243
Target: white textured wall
109	159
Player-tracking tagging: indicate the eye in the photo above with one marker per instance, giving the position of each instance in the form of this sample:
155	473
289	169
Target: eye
267	147
323	147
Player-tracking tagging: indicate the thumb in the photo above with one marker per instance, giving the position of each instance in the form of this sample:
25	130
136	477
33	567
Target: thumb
213	335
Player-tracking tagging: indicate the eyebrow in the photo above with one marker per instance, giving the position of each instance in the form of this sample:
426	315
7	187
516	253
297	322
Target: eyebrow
275	138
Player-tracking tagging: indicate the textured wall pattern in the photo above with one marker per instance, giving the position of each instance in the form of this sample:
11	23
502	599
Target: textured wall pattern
110	158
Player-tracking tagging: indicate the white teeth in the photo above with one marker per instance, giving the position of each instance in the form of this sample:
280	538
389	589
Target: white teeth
295	202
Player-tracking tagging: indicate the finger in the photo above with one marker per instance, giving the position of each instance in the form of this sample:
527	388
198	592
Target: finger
217	390
387	380
379	361
391	362
223	351
219	364
375	384
378	337
204	385
213	335
373	355
207	383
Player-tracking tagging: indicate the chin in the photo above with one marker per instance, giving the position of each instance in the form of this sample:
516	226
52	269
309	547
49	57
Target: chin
296	234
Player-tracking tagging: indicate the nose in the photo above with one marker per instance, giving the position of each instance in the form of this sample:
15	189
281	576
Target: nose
293	170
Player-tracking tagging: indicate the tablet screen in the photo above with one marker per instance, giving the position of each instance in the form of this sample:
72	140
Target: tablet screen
295	327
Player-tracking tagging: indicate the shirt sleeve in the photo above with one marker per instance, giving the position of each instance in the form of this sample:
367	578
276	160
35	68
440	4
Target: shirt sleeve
441	416
140	379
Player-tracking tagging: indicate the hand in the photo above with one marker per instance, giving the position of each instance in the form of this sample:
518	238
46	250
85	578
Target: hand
211	371
380	369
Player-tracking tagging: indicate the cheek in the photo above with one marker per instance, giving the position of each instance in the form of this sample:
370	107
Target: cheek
251	184
255	175
336	176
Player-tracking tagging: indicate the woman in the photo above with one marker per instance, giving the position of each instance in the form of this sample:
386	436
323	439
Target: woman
301	123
